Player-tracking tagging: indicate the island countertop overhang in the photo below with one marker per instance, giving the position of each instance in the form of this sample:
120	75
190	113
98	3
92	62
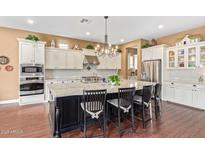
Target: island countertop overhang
76	89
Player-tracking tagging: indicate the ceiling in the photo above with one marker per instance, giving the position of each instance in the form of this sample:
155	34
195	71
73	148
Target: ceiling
127	28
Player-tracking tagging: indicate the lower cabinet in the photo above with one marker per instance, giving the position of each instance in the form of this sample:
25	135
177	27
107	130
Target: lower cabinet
70	112
185	94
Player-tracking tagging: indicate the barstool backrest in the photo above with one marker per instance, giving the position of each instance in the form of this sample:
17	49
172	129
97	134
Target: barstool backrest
94	100
125	96
157	91
146	94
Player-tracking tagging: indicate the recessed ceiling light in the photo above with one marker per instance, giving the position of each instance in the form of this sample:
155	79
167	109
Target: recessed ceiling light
29	21
87	33
160	26
122	40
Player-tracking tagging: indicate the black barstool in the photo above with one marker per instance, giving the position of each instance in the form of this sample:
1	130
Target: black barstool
143	104
124	105
93	106
157	99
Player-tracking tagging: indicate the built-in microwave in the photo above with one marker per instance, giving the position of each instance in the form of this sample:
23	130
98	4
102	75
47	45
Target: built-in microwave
32	70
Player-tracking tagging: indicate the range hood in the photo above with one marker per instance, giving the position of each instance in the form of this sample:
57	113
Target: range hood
91	60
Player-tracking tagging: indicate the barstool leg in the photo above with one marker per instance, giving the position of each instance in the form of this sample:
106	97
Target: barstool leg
133	120
143	117
85	129
119	118
104	123
150	110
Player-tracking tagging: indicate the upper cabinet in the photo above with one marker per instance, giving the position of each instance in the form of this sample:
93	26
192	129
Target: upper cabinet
181	58
171	58
73	59
191	57
153	53
187	56
110	62
31	52
201	56
63	59
189	53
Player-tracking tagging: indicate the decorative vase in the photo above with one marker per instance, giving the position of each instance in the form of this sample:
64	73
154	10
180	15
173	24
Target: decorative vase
53	44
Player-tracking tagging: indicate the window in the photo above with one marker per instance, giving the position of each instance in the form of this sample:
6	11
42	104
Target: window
63	46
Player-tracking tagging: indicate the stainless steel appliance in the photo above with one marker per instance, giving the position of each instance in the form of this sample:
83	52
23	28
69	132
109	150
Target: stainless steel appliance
31	70
151	71
31	86
91	79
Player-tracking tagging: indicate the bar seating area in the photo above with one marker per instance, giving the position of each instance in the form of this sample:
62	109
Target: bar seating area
128	106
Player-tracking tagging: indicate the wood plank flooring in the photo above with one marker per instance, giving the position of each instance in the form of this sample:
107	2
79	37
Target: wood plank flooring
32	121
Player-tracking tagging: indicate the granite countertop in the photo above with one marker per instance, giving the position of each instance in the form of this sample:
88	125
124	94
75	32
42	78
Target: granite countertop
73	89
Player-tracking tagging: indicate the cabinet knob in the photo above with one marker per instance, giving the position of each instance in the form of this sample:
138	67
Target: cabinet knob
194	85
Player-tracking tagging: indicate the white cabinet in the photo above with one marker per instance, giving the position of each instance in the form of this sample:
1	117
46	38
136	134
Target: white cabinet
187	56
153	53
55	59
74	60
27	53
31	52
39	54
110	62
185	94
168	92
63	59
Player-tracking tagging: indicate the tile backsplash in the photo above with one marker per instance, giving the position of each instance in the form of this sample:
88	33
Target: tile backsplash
184	74
79	73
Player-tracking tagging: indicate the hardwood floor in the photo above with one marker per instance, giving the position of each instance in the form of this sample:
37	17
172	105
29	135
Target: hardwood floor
32	121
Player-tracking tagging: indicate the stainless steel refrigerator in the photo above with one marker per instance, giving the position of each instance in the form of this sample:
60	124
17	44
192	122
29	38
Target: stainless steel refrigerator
151	71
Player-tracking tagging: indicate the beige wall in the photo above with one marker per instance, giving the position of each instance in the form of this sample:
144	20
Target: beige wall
9	86
171	39
137	43
9	47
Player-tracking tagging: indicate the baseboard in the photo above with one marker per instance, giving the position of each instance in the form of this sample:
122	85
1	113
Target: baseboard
9	101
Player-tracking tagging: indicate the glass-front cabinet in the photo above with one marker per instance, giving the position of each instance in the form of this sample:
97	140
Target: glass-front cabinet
202	56
192	57
171	58
186	56
181	58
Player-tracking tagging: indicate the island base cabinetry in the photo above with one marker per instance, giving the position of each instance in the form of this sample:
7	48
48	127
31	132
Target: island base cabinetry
185	94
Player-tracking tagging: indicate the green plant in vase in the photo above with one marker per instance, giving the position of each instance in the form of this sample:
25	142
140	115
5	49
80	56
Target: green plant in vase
114	80
32	38
90	46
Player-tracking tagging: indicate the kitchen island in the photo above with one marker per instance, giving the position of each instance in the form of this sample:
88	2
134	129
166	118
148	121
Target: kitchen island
65	99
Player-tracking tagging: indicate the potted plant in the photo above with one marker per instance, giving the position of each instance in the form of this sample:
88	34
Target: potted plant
90	46
146	46
114	80
32	38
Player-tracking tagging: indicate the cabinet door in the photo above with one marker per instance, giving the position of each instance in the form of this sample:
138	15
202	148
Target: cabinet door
181	58
183	95
147	54
55	60
178	95
157	53
201	98
39	53
27	53
171	59
104	63
202	56
70	60
191	57
78	63
168	93
114	62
